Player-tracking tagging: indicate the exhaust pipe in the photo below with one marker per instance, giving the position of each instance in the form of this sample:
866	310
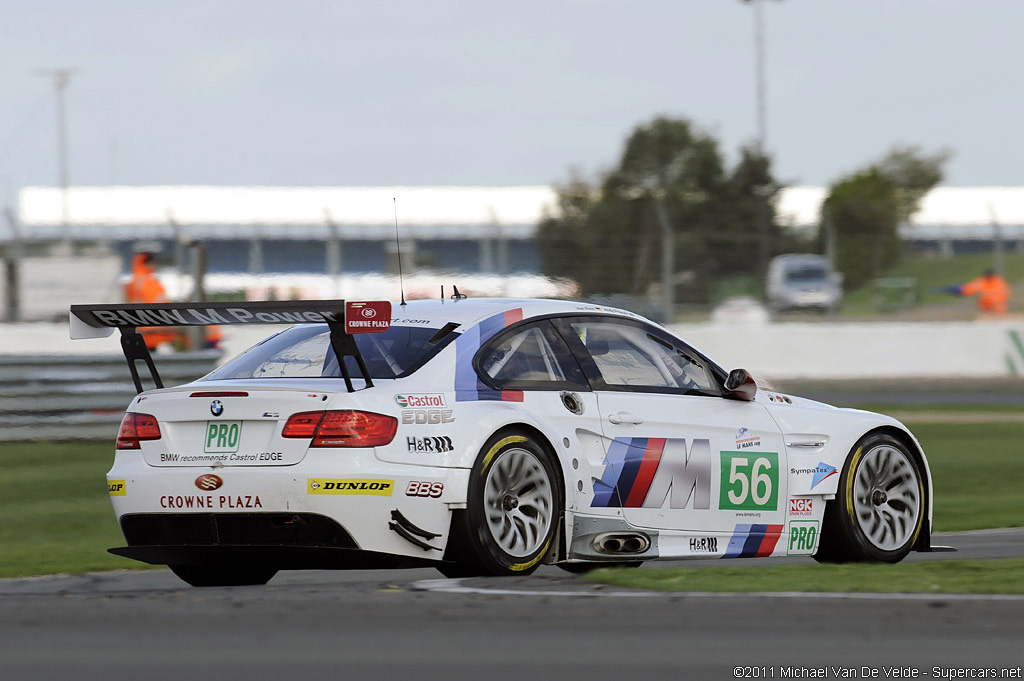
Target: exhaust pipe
621	543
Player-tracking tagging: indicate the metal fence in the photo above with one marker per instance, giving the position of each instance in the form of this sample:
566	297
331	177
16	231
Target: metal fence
82	397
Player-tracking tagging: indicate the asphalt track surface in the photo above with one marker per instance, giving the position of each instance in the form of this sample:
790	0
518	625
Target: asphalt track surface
413	624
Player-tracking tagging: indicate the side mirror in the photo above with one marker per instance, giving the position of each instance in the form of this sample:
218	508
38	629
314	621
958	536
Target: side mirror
740	385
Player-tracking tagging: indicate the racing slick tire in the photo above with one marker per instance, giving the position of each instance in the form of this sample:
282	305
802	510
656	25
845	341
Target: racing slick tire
195	575
513	508
879	508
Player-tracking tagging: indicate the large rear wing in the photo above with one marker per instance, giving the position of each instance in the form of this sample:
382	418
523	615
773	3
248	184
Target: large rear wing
343	319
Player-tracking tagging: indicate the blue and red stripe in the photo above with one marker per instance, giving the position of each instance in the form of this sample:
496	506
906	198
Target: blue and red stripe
468	386
751	541
630	465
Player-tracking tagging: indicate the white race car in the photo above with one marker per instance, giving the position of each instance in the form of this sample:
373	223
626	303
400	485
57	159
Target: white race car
487	437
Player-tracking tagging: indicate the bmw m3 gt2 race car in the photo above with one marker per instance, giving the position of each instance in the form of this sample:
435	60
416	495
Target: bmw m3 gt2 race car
487	437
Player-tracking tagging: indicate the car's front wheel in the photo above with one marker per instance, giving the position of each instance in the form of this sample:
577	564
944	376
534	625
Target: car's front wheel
880	505
195	575
512	511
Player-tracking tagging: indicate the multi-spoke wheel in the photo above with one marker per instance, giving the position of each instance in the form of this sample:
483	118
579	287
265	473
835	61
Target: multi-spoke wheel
518	501
880	505
512	512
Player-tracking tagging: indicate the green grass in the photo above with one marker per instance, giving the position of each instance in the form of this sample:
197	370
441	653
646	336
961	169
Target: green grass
60	520
57	510
1002	576
977	473
935	272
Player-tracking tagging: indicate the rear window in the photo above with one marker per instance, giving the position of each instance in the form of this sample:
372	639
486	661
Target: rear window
306	352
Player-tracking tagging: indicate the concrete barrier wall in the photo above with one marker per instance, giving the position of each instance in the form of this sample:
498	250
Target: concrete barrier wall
881	350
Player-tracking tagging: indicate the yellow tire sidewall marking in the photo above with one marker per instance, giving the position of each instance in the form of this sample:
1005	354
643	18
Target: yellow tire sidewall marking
849	481
519	567
493	451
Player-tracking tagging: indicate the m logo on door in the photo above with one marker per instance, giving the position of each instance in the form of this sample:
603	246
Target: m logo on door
645	472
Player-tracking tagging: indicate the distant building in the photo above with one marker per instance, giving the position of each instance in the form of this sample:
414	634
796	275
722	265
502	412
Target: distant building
292	229
468	229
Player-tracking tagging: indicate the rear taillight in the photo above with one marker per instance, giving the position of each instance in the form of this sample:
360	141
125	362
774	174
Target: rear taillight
135	428
302	424
342	428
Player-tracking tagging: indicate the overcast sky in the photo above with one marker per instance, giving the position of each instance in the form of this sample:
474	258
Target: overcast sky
483	93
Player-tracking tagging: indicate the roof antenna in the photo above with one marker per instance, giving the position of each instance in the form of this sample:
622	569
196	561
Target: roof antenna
398	245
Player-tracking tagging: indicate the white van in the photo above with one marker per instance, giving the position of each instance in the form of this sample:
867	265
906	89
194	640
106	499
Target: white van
800	281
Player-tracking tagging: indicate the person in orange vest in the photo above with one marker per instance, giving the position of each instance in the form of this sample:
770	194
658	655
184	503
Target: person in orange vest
991	290
144	287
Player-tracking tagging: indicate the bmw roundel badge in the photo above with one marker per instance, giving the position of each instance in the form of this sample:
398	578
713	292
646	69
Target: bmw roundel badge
216	408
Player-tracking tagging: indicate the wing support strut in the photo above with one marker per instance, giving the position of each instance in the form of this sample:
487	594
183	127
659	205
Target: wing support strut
135	350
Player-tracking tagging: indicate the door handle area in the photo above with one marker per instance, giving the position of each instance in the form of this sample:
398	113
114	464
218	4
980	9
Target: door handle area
624	417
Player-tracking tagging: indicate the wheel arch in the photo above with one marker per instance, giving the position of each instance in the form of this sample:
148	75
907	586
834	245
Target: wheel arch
463	559
549	447
561	540
904	437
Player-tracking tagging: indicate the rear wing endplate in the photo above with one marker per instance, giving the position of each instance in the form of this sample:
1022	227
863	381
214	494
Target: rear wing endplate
99	321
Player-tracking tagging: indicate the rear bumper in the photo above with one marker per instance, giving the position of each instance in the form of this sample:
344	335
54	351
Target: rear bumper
333	509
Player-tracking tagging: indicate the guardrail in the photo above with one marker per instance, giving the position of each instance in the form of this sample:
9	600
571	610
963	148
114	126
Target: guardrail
79	397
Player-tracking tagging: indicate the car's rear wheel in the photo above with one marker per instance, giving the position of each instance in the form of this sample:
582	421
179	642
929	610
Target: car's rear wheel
879	508
512	512
223	576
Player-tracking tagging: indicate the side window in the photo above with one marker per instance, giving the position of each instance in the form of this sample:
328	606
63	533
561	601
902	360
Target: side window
629	355
532	357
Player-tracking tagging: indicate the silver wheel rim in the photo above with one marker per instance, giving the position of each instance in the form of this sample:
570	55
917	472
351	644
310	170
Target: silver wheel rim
887	497
518	501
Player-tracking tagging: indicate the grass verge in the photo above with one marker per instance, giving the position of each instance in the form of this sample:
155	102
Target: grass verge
1000	576
976	473
55	498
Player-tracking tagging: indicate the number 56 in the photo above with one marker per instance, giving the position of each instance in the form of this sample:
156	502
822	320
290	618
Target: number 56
750	481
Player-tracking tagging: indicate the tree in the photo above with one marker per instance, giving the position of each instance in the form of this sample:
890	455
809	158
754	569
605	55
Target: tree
863	211
609	237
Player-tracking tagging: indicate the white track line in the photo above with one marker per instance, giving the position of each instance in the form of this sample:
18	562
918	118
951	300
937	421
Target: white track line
455	586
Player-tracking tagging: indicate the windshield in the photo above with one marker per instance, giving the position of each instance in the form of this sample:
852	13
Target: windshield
807	272
306	352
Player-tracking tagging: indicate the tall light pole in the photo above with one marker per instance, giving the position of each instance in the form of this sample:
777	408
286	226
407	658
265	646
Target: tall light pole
762	125
763	229
61	79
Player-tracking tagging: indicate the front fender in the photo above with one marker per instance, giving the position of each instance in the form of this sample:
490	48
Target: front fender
814	470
